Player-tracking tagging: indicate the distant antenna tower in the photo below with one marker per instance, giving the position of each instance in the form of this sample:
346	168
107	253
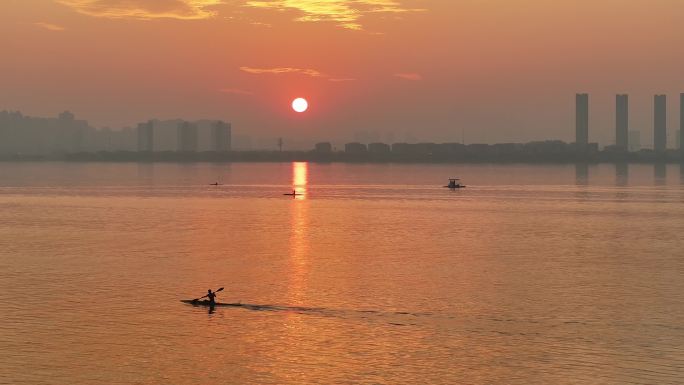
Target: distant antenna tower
280	144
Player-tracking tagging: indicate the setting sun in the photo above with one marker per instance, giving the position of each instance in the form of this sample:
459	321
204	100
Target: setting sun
300	105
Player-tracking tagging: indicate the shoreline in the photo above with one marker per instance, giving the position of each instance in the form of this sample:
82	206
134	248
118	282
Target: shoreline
603	157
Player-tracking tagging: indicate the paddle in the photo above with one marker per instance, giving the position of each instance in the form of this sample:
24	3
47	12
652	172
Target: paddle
216	291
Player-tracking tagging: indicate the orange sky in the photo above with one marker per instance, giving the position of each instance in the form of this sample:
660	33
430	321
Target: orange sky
498	70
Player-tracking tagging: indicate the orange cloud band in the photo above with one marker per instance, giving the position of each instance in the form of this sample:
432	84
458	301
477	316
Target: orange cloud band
144	9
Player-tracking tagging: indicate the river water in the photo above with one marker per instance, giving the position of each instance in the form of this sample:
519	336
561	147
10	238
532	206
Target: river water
376	274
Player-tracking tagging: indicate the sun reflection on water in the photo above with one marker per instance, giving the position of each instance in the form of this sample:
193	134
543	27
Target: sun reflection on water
299	241
300	175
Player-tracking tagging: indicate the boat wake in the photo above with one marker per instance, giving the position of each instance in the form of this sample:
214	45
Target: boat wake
320	311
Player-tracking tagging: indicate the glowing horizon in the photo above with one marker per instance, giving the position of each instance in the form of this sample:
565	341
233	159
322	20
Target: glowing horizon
405	70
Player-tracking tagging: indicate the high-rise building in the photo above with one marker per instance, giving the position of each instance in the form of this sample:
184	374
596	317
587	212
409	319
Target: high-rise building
659	123
72	132
582	121
634	140
621	122
323	147
145	135
355	147
220	136
187	137
378	147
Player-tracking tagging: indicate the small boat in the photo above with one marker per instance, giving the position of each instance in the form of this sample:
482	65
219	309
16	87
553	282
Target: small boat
454	183
293	193
205	302
215	184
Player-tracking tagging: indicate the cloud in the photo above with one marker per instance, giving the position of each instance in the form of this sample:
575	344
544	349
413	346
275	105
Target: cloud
344	13
293	70
341	79
49	26
144	9
236	91
261	24
409	76
284	70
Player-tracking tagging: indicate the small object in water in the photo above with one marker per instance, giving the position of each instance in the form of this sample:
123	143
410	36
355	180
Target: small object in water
454	183
293	193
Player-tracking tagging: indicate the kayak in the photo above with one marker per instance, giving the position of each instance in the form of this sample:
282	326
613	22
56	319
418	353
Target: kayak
205	302
248	306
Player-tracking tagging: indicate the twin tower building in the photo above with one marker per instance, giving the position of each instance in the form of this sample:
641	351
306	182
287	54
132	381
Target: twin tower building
622	119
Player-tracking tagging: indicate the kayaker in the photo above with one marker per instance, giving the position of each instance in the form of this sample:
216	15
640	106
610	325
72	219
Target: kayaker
211	296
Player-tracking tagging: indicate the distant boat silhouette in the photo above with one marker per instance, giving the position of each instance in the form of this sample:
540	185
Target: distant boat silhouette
293	193
215	184
454	183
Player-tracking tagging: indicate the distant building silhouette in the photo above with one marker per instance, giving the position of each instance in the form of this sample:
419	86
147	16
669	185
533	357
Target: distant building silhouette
634	140
73	132
323	147
400	148
64	134
659	123
165	135
355	147
66	116
220	135
621	122
145	136
379	148
187	137
582	121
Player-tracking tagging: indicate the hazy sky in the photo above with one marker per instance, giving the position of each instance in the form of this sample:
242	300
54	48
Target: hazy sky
498	70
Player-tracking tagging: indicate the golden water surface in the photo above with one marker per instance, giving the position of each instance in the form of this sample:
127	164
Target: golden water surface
375	274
